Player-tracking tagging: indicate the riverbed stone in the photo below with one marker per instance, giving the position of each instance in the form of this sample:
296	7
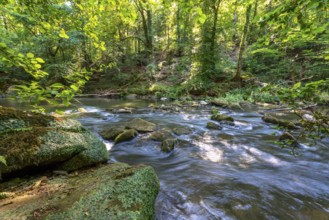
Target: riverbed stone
112	191
219	117
213	126
281	122
112	132
127	135
32	140
161	135
181	130
141	125
168	145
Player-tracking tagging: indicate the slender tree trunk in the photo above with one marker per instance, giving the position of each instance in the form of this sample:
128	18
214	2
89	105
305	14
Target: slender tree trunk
147	26
252	33
235	21
150	31
292	72
179	37
214	29
237	76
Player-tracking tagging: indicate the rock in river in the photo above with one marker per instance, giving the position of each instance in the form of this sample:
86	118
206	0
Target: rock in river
113	191
141	125
112	132
219	117
31	140
168	145
213	126
127	135
161	135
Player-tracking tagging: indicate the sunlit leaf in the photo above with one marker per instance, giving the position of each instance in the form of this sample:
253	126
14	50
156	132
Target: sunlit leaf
30	55
63	34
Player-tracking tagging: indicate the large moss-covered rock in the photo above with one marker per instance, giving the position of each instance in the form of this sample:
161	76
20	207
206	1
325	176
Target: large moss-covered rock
114	191
141	125
31	140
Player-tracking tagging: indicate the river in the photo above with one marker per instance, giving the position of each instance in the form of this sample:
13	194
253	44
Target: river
233	173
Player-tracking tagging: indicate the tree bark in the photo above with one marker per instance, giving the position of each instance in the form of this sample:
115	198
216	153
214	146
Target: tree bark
237	76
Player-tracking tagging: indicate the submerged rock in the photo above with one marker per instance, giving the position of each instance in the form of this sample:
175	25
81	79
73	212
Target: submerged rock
168	145
219	117
161	135
281	122
181	131
127	135
141	125
214	126
114	191
289	139
31	140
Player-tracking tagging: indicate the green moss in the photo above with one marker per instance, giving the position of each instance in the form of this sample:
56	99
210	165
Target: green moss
31	140
33	119
116	191
124	193
219	117
161	135
283	123
111	133
168	145
127	135
141	125
214	126
19	147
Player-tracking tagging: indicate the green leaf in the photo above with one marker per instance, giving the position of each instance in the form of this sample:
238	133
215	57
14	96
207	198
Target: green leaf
3	160
63	34
74	87
40	60
296	86
30	55
57	85
37	66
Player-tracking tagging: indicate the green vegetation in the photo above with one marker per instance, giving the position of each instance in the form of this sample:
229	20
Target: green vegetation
229	51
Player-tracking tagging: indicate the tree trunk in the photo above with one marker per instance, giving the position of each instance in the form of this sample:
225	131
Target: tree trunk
237	76
179	40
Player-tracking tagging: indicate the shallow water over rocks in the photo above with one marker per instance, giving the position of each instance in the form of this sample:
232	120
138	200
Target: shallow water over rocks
233	173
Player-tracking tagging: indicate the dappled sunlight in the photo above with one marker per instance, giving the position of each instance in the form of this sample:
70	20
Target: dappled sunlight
208	151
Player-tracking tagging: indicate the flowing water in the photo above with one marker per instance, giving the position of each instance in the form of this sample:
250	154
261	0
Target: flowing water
234	173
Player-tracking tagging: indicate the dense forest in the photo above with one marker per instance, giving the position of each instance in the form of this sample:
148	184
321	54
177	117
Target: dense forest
213	48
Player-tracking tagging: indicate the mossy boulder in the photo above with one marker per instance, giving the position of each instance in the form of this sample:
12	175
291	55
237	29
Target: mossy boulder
281	122
182	130
161	135
168	145
141	125
113	191
31	140
213	126
127	135
219	117
111	133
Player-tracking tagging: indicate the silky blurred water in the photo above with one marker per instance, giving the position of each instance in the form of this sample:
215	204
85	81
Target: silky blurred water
234	173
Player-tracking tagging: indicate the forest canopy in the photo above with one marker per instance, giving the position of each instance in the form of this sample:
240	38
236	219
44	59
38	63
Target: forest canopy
51	48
